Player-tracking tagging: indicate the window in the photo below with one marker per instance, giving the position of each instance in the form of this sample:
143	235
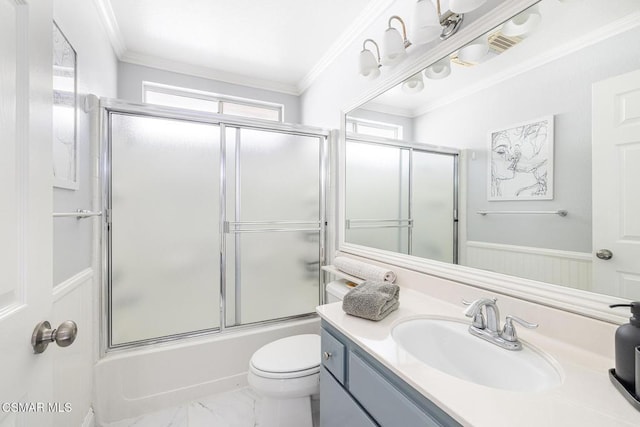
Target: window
373	128
172	96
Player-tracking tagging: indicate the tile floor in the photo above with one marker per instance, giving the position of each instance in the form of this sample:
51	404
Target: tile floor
236	408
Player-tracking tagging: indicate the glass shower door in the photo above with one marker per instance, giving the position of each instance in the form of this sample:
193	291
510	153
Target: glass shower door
164	227
273	224
377	196
434	205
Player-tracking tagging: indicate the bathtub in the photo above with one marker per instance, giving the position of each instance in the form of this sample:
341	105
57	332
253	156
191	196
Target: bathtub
130	383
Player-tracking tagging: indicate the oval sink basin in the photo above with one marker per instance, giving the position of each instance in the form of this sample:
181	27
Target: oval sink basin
447	346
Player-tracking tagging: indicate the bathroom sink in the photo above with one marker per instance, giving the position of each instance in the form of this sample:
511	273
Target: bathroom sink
447	345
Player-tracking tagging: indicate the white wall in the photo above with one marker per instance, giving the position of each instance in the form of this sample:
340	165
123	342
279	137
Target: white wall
97	71
561	88
131	76
75	292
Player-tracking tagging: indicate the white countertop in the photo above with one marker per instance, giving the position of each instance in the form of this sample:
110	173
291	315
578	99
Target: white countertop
586	397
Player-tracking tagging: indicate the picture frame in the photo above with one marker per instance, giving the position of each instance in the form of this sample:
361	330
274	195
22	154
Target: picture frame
520	164
65	112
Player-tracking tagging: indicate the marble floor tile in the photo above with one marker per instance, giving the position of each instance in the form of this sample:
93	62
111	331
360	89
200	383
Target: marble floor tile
238	408
231	409
171	417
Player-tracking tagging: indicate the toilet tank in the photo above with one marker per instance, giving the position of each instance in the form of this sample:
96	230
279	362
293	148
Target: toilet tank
336	290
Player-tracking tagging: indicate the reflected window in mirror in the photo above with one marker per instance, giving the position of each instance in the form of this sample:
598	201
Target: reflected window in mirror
374	128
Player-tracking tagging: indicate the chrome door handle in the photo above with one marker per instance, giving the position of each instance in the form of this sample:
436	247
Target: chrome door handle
604	254
64	335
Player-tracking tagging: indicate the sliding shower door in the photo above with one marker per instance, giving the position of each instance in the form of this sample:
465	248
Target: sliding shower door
273	224
377	196
434	206
163	227
401	197
211	222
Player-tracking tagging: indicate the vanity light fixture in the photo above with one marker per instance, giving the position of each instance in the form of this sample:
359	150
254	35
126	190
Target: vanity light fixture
394	45
522	24
429	22
369	63
413	84
438	70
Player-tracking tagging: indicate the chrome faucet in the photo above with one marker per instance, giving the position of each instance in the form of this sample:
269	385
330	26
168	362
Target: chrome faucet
492	323
489	329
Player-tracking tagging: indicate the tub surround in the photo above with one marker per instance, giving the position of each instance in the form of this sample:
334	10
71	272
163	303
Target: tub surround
581	347
133	383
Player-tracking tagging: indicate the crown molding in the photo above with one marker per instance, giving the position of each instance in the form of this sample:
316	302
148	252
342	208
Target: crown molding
362	22
108	18
387	109
206	72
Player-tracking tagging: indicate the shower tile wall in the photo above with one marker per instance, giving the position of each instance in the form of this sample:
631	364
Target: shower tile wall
237	408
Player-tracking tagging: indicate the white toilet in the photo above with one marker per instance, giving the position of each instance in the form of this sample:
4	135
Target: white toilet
286	372
336	290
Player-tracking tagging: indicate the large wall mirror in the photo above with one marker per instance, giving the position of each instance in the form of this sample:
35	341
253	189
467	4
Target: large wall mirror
528	108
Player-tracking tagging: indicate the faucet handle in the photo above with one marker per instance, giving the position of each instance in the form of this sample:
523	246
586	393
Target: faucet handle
509	331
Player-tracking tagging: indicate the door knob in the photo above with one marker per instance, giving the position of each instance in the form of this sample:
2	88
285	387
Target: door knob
64	335
604	254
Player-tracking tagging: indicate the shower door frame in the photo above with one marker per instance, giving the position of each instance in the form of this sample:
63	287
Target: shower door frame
104	186
403	223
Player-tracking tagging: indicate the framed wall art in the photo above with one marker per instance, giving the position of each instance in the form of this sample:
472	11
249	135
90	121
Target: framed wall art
521	161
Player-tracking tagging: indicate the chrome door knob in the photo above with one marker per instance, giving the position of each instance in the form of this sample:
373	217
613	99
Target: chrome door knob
604	254
326	355
64	335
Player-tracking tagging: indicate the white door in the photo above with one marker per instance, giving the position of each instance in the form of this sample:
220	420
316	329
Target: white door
25	209
616	185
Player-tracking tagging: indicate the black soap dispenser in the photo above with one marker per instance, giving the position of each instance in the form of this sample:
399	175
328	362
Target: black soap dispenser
627	339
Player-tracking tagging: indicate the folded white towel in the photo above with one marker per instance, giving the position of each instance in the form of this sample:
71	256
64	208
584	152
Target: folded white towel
364	270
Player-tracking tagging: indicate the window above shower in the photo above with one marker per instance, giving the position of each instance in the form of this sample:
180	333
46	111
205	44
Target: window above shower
191	99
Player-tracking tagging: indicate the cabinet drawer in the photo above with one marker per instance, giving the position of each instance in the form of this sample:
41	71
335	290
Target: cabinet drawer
386	404
333	355
337	408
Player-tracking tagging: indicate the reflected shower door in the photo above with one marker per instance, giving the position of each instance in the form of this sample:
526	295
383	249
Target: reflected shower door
377	196
433	197
273	227
164	227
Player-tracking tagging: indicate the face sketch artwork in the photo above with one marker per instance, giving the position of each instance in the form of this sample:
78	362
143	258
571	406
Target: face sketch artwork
520	160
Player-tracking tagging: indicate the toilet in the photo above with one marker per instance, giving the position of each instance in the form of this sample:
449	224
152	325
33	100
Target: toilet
336	290
286	372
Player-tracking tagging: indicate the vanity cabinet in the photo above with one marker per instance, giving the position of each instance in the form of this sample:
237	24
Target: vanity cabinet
356	390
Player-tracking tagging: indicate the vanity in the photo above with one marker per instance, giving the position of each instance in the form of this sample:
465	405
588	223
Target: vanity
368	378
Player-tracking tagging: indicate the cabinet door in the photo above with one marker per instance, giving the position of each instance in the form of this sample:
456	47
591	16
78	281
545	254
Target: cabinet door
337	407
382	400
333	355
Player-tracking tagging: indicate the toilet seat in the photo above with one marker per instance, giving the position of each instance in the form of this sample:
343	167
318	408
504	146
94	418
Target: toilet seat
291	357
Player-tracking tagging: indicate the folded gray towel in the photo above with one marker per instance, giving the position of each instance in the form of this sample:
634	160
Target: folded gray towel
372	300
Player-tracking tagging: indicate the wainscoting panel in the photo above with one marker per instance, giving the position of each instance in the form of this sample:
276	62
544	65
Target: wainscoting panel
571	269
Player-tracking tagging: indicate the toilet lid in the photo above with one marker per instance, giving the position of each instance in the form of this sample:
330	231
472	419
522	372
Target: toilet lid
291	354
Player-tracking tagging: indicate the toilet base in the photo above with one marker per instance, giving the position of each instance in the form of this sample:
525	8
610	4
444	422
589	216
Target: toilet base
294	412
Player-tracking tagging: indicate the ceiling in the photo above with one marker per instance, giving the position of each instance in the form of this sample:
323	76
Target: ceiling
273	44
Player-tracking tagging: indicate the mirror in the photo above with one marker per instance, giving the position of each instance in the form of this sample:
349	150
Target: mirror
516	105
